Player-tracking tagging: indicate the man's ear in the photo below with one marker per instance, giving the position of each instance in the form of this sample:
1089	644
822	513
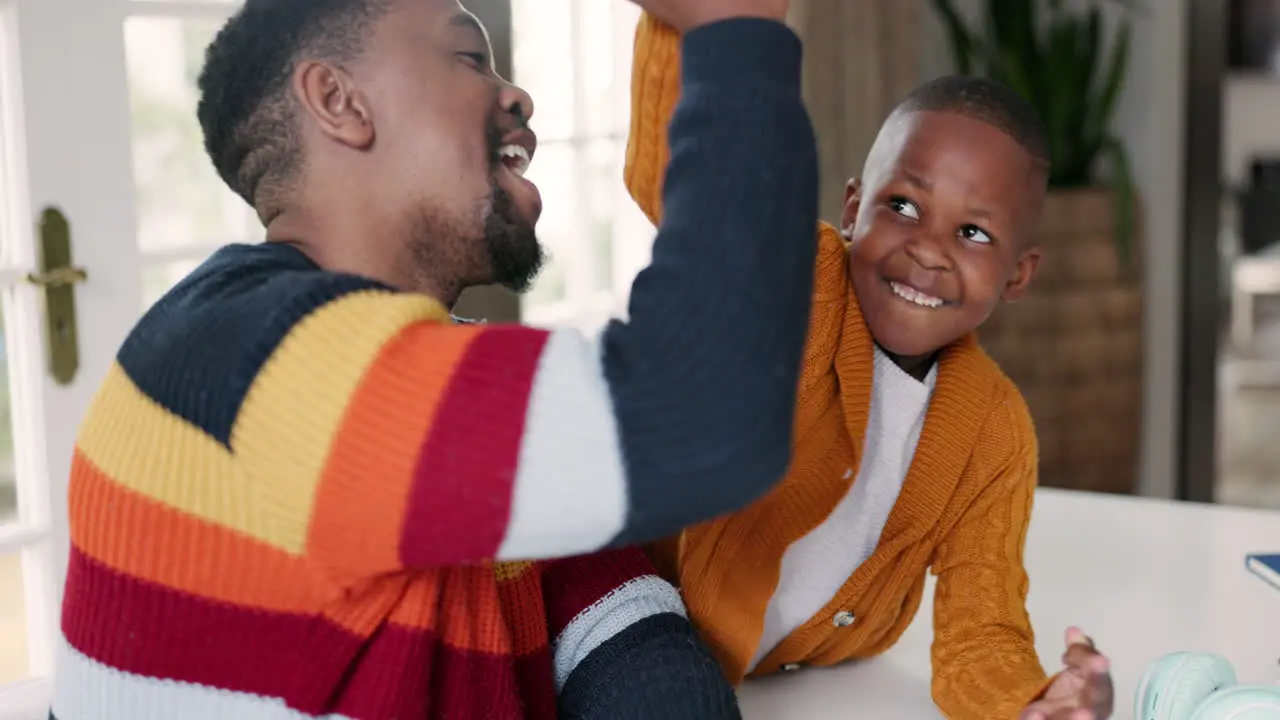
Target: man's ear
330	97
852	201
1023	272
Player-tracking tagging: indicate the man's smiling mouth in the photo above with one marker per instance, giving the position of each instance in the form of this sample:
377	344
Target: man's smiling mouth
515	158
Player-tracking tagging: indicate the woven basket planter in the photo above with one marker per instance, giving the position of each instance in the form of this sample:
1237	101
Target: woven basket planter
1073	345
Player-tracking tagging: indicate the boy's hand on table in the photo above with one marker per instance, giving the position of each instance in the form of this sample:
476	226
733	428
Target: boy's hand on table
1082	691
685	15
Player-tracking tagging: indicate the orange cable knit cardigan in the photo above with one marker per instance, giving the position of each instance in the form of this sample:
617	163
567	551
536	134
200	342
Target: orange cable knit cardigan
963	511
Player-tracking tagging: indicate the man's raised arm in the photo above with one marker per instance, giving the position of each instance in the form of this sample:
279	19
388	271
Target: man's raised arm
421	443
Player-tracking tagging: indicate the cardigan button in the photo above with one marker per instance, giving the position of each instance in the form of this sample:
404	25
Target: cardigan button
790	667
844	618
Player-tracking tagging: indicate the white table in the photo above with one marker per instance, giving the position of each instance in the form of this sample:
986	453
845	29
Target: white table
1142	577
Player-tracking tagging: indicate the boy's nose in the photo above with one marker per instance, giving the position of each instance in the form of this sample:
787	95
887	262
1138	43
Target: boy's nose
927	252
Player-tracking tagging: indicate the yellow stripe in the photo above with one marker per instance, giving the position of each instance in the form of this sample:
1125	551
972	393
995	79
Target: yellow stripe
149	450
280	437
505	571
288	419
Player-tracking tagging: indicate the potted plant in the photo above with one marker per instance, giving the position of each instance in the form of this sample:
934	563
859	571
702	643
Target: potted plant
1074	345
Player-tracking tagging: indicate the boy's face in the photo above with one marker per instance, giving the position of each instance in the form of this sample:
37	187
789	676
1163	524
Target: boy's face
940	229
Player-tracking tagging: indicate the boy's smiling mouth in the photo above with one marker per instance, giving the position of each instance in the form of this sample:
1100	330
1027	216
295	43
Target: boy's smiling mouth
914	296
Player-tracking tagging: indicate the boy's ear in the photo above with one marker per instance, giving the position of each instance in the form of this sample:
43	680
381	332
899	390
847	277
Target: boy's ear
1023	271
852	201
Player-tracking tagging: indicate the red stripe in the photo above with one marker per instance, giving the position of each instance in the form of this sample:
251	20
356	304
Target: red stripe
407	674
312	664
537	685
147	629
514	594
460	501
572	585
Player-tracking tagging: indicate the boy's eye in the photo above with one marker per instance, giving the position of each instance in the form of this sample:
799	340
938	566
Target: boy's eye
975	234
475	59
904	207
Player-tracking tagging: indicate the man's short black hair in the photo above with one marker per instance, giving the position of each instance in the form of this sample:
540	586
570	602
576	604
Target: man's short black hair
245	110
988	101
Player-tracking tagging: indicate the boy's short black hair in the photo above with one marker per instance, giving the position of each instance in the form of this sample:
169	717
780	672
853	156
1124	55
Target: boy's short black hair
988	101
245	110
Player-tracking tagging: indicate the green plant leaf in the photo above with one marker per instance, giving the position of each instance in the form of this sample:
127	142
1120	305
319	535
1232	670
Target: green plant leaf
1125	197
1021	24
962	41
1089	41
1016	74
1104	105
1059	78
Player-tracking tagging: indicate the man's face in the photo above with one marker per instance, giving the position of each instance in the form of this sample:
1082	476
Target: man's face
941	229
450	148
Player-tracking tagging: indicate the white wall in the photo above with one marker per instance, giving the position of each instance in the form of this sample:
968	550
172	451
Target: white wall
1150	120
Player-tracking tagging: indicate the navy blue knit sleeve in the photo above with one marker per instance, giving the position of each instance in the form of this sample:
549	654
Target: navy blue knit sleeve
656	668
703	376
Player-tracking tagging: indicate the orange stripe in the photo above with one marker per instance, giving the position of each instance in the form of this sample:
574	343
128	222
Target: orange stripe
480	627
150	541
418	608
462	606
411	375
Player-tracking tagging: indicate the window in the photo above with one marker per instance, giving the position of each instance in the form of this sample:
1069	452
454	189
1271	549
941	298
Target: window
26	525
14	652
184	211
574	58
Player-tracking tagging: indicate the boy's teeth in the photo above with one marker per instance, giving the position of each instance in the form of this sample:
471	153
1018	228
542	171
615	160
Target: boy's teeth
910	294
515	152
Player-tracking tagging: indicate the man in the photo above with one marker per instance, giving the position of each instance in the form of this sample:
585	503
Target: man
303	492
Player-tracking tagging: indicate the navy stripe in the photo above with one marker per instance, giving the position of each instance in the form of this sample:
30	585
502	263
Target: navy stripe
198	349
656	668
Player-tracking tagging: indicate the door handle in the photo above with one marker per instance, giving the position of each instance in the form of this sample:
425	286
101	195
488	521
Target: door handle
57	279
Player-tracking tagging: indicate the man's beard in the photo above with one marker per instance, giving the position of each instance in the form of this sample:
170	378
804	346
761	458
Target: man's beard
515	255
503	250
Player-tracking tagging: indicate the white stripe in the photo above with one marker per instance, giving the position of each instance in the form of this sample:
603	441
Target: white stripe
570	495
85	689
631	602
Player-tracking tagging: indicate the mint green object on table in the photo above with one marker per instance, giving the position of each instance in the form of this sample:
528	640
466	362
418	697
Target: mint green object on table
1201	686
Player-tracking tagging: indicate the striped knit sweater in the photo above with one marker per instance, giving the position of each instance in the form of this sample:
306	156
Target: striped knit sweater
302	494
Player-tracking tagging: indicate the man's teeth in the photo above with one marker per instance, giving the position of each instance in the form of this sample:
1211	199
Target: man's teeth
514	157
910	294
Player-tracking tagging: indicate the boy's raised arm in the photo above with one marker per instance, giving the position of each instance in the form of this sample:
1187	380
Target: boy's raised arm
655	90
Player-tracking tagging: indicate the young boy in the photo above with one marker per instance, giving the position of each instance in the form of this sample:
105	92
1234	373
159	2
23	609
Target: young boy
912	451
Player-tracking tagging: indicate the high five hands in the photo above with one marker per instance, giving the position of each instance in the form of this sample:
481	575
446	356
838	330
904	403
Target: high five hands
687	14
1082	691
